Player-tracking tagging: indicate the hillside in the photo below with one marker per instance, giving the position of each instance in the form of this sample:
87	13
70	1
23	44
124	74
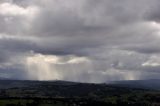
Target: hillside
74	94
152	84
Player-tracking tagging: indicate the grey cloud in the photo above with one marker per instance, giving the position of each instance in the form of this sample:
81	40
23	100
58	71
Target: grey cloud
144	49
117	36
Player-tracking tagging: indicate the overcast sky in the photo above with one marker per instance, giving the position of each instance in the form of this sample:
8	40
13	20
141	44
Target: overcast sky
80	40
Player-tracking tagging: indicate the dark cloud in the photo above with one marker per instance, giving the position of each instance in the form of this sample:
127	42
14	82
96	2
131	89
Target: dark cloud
146	50
117	37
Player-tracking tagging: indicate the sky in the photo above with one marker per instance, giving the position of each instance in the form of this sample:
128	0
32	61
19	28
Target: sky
80	40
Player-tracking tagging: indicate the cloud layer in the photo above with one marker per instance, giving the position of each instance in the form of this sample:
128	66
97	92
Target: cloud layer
85	40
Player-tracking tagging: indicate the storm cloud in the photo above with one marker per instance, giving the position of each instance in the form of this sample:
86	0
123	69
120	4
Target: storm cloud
85	40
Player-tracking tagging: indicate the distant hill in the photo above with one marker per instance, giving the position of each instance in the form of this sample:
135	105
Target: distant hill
144	84
58	93
151	84
10	83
